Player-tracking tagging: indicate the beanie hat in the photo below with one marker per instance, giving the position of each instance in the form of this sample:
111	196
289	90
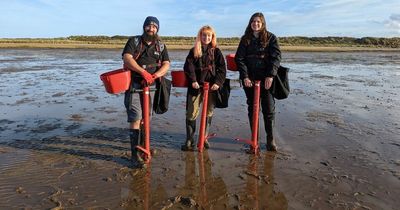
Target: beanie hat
151	20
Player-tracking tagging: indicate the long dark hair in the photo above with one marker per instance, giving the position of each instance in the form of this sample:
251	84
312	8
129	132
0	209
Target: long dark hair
248	34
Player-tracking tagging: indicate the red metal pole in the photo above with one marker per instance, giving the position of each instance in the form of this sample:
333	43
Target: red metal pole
256	112
146	124
202	137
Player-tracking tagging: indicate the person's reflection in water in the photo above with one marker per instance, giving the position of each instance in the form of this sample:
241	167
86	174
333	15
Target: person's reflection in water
260	193
270	199
191	182
206	191
213	188
140	194
251	198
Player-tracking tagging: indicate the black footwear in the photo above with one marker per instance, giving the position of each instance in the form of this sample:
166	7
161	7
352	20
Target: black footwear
207	144
190	130
139	165
187	148
269	129
139	157
208	125
271	146
135	140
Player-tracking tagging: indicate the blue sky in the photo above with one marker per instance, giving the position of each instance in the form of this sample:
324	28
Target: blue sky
61	18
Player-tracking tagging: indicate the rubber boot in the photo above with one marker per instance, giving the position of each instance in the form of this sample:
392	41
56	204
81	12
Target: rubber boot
141	143
269	126
190	130
208	124
135	141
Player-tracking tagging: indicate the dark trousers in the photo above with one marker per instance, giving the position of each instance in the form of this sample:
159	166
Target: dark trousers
267	107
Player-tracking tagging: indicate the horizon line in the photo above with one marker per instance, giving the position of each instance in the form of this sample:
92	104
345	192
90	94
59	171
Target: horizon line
183	36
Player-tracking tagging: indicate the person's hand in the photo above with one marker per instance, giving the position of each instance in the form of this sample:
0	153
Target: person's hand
195	85
247	82
268	82
147	77
214	87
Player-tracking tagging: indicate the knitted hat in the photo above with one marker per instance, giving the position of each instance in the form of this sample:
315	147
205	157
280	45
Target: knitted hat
151	20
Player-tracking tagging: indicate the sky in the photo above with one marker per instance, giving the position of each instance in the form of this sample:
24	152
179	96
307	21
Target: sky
312	18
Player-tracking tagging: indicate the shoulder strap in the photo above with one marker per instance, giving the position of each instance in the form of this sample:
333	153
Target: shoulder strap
212	52
160	46
137	41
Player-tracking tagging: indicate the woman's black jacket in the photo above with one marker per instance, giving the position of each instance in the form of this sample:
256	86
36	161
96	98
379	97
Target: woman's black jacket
210	67
257	62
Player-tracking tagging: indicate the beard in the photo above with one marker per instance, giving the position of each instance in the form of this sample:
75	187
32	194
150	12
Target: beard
149	37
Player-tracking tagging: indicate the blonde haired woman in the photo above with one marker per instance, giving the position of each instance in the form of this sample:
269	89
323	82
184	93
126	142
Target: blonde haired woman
204	63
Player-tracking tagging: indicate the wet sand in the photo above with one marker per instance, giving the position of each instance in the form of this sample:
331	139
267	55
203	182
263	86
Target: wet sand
64	145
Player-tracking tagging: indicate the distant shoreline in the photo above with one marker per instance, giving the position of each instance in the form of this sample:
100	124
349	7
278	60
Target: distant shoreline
187	47
294	44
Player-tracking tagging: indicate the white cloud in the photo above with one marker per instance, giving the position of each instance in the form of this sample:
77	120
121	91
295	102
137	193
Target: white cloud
394	22
335	18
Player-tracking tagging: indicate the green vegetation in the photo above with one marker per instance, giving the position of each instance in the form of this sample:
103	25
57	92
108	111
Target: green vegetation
118	41
341	41
169	40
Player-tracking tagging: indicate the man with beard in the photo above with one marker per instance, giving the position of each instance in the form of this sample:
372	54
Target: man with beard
147	58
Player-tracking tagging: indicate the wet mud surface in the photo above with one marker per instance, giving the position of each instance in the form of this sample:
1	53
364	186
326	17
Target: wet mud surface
64	142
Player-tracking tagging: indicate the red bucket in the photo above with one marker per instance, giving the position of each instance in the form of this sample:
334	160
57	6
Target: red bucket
230	62
116	81
179	79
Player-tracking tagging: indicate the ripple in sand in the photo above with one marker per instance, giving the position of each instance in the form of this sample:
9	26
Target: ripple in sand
330	118
23	101
76	117
321	76
5	122
72	127
46	127
59	94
